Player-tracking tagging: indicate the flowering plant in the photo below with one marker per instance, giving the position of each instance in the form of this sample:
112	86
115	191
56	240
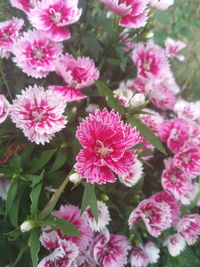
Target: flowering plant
100	155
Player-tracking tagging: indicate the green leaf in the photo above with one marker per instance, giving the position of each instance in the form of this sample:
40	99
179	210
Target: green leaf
21	253
147	133
186	33
90	200
15	162
14	210
34	179
34	244
11	196
66	227
59	161
105	91
162	17
39	163
34	195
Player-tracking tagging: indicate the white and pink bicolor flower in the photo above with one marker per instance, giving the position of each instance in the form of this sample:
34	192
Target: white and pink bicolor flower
175	244
4	108
173	47
25	5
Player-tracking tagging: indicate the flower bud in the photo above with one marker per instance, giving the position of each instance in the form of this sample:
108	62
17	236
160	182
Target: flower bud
26	226
138	100
74	178
104	197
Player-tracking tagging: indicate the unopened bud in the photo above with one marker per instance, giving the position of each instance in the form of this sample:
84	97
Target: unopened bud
104	197
27	226
74	178
138	100
149	35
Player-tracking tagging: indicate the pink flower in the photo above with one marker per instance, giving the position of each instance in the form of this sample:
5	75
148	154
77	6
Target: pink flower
4	108
188	159
175	182
39	114
161	4
173	47
187	110
132	12
156	216
124	95
103	217
189	228
51	17
138	257
25	5
110	250
151	61
9	32
35	54
164	197
84	259
72	214
106	141
77	73
152	252
175	244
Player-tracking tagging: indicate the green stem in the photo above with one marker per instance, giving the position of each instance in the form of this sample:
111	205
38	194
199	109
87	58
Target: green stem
4	79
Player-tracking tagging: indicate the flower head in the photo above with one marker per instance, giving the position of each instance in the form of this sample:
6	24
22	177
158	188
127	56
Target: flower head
173	47
52	17
35	54
106	142
161	4
39	114
4	108
25	5
9	33
123	94
175	244
138	257
187	110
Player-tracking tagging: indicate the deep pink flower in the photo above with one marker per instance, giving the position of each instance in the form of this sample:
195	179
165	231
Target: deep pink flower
25	5
39	114
164	197
188	159
52	17
173	47
177	183
9	32
156	216
72	214
132	12
35	54
189	228
110	250
106	141
151	61
4	108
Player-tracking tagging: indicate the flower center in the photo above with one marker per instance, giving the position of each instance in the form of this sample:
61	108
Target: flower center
39	114
38	53
55	16
147	64
186	159
101	149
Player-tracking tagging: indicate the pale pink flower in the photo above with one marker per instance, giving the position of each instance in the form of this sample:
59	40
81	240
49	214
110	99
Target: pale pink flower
161	5
35	54
4	108
84	259
72	214
131	178
138	257
52	17
156	216
188	159
110	250
187	110
25	5
175	244
103	217
175	182
106	142
151	61
91	108
133	13
164	197
173	47
39	114
128	44
124	95
152	252
189	228
9	33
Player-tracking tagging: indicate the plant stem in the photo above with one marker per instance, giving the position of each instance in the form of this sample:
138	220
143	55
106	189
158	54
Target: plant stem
4	80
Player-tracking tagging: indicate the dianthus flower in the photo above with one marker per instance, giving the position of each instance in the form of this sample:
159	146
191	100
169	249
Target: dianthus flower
4	108
38	113
9	32
161	4
173	47
103	217
77	73
175	182
175	244
124	95
151	61
188	159
152	252
187	110
4	186
189	228
84	259
72	214
35	54
52	17
106	142
133	13
25	5
156	216
110	250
